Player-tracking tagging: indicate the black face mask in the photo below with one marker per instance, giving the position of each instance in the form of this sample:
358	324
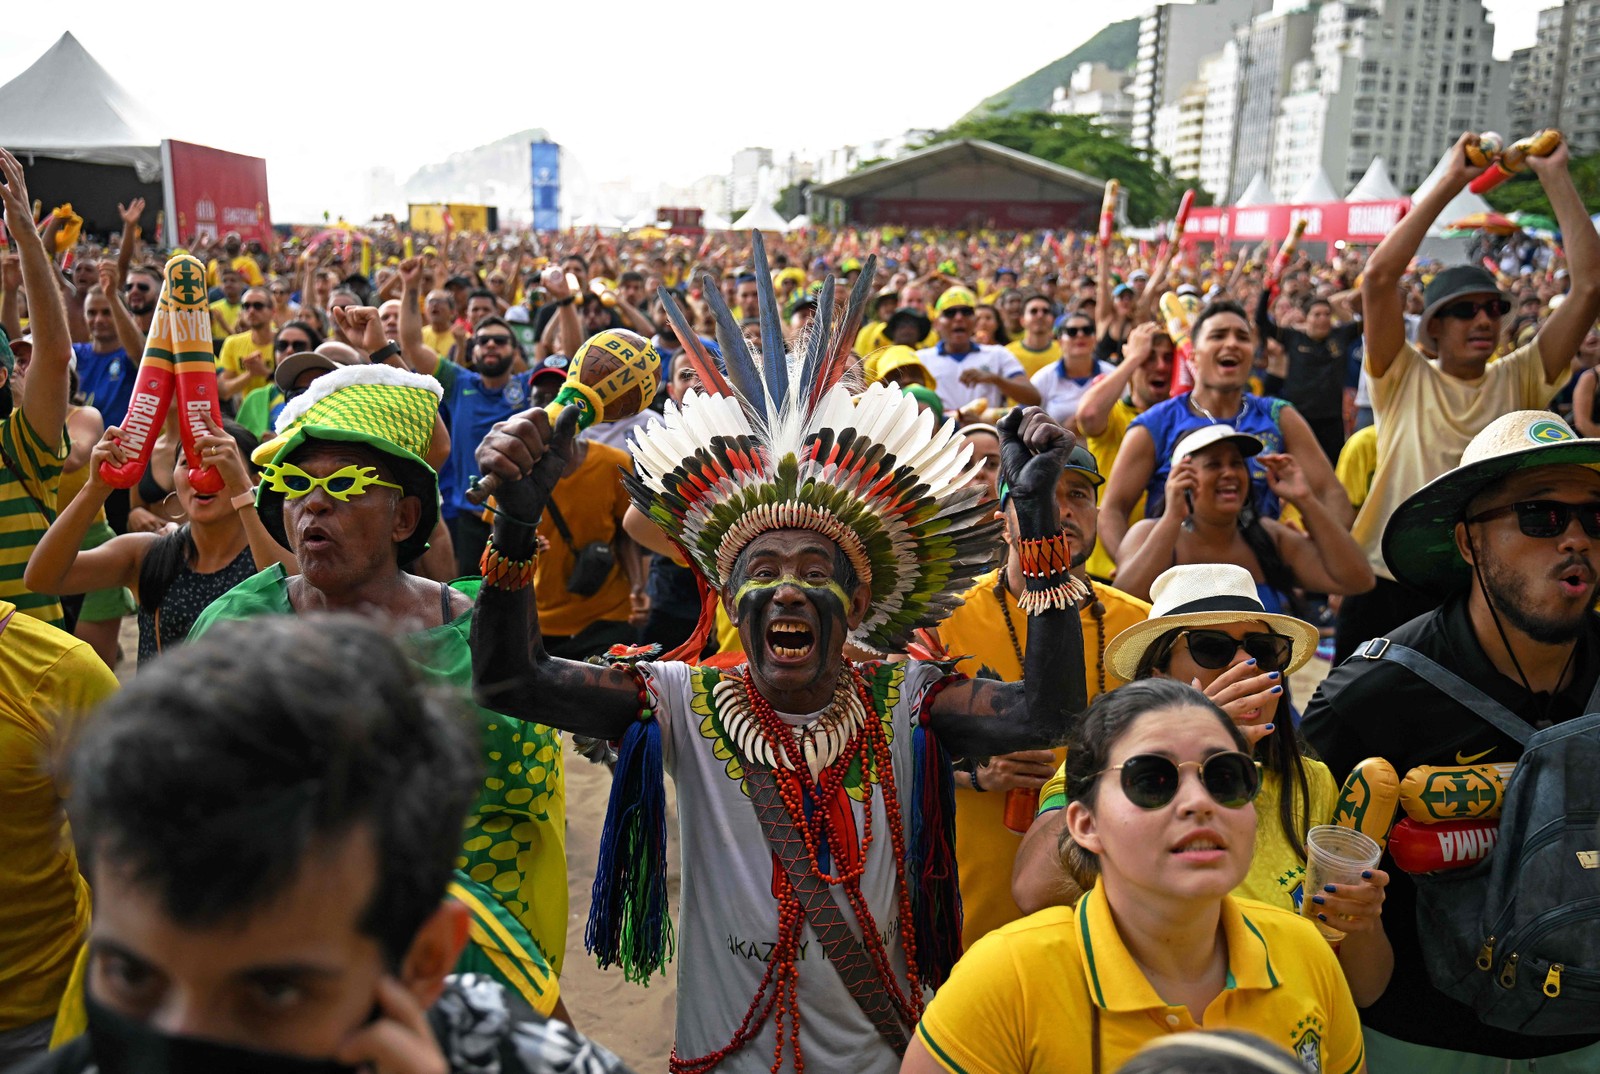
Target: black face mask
124	1046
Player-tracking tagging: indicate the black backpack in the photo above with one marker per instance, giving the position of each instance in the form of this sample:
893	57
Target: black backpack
1516	936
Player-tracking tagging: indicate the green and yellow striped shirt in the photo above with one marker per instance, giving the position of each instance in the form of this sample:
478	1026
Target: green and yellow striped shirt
30	478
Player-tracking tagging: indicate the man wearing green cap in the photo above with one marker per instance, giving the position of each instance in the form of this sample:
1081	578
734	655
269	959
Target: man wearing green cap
32	422
1509	542
1428	410
346	488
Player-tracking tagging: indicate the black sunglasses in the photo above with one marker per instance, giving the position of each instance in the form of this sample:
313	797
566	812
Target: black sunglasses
1150	780
138	287
254	306
1213	649
1466	309
293	346
958	311
1073	331
1547	518
499	341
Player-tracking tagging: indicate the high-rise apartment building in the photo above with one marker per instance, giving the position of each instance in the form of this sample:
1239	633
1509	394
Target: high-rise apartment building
1173	39
1556	83
1401	79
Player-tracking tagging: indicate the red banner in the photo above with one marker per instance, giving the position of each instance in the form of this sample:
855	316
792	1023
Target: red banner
1361	222
212	192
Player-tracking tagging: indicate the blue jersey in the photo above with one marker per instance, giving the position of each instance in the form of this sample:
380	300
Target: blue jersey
1170	421
473	410
106	380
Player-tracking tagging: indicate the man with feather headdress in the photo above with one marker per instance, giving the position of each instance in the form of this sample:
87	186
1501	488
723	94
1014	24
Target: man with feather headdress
819	885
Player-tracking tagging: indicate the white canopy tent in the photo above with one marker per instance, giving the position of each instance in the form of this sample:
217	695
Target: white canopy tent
1375	185
761	216
68	107
1256	192
1315	190
1463	204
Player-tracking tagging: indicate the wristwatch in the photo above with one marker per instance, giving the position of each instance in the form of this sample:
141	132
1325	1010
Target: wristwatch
243	500
385	352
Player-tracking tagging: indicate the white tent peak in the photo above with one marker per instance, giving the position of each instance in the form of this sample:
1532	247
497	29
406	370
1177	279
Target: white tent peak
1375	185
1463	204
1256	192
69	106
761	216
1315	191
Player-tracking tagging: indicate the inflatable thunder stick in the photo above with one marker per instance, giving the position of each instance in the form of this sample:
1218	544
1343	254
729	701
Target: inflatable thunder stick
1286	251
1431	793
1432	848
177	358
1369	799
1108	213
1515	158
1486	151
1181	221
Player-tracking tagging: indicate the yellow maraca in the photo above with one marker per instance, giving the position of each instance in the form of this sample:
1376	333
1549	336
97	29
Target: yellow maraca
615	375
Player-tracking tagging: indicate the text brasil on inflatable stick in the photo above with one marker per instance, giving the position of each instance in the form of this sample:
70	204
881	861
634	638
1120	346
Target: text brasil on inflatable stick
177	356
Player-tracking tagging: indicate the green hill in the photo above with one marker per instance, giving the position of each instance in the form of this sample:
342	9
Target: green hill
1113	46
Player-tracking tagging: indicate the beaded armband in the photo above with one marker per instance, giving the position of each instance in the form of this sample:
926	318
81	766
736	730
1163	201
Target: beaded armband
501	572
1047	575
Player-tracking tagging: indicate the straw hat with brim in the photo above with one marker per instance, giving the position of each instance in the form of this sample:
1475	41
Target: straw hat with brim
1457	281
1419	543
1204	595
1207	435
391	411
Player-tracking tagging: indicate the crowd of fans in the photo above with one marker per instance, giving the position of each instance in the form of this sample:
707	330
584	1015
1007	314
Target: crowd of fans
1257	449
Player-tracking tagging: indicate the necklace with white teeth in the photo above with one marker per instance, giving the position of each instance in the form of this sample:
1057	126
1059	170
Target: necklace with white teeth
821	742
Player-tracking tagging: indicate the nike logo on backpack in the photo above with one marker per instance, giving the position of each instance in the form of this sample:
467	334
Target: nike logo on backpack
1462	758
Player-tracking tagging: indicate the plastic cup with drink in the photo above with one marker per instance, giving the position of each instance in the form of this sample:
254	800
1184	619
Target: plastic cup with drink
1334	855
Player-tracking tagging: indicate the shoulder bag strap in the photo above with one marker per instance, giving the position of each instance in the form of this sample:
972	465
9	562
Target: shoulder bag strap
1448	682
561	525
843	949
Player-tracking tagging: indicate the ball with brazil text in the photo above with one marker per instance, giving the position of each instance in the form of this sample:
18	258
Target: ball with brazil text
614	375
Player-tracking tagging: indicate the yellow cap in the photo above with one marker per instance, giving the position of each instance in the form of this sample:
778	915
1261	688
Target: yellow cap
955	296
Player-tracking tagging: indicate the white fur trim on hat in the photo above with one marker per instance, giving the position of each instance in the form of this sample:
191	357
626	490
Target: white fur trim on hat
345	376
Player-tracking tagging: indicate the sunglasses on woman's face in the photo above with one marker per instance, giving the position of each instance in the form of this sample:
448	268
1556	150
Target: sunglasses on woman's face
1073	331
293	346
1150	781
1213	649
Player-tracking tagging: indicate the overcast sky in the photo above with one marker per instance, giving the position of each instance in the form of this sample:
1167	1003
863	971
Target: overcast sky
643	92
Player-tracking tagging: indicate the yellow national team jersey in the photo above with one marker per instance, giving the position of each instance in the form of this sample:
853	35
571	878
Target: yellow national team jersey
1104	448
977	632
48	681
1032	360
1029	997
440	342
234	351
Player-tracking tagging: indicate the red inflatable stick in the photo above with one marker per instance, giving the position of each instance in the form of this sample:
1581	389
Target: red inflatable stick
1181	221
147	409
1452	844
177	357
193	364
1108	213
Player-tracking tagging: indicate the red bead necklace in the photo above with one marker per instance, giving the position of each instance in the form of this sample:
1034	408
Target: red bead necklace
782	976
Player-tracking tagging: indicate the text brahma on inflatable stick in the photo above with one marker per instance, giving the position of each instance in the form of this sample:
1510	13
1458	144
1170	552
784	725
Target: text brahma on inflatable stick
177	359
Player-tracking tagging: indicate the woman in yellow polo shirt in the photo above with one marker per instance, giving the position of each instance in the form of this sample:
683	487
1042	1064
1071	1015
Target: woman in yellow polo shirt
1158	945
